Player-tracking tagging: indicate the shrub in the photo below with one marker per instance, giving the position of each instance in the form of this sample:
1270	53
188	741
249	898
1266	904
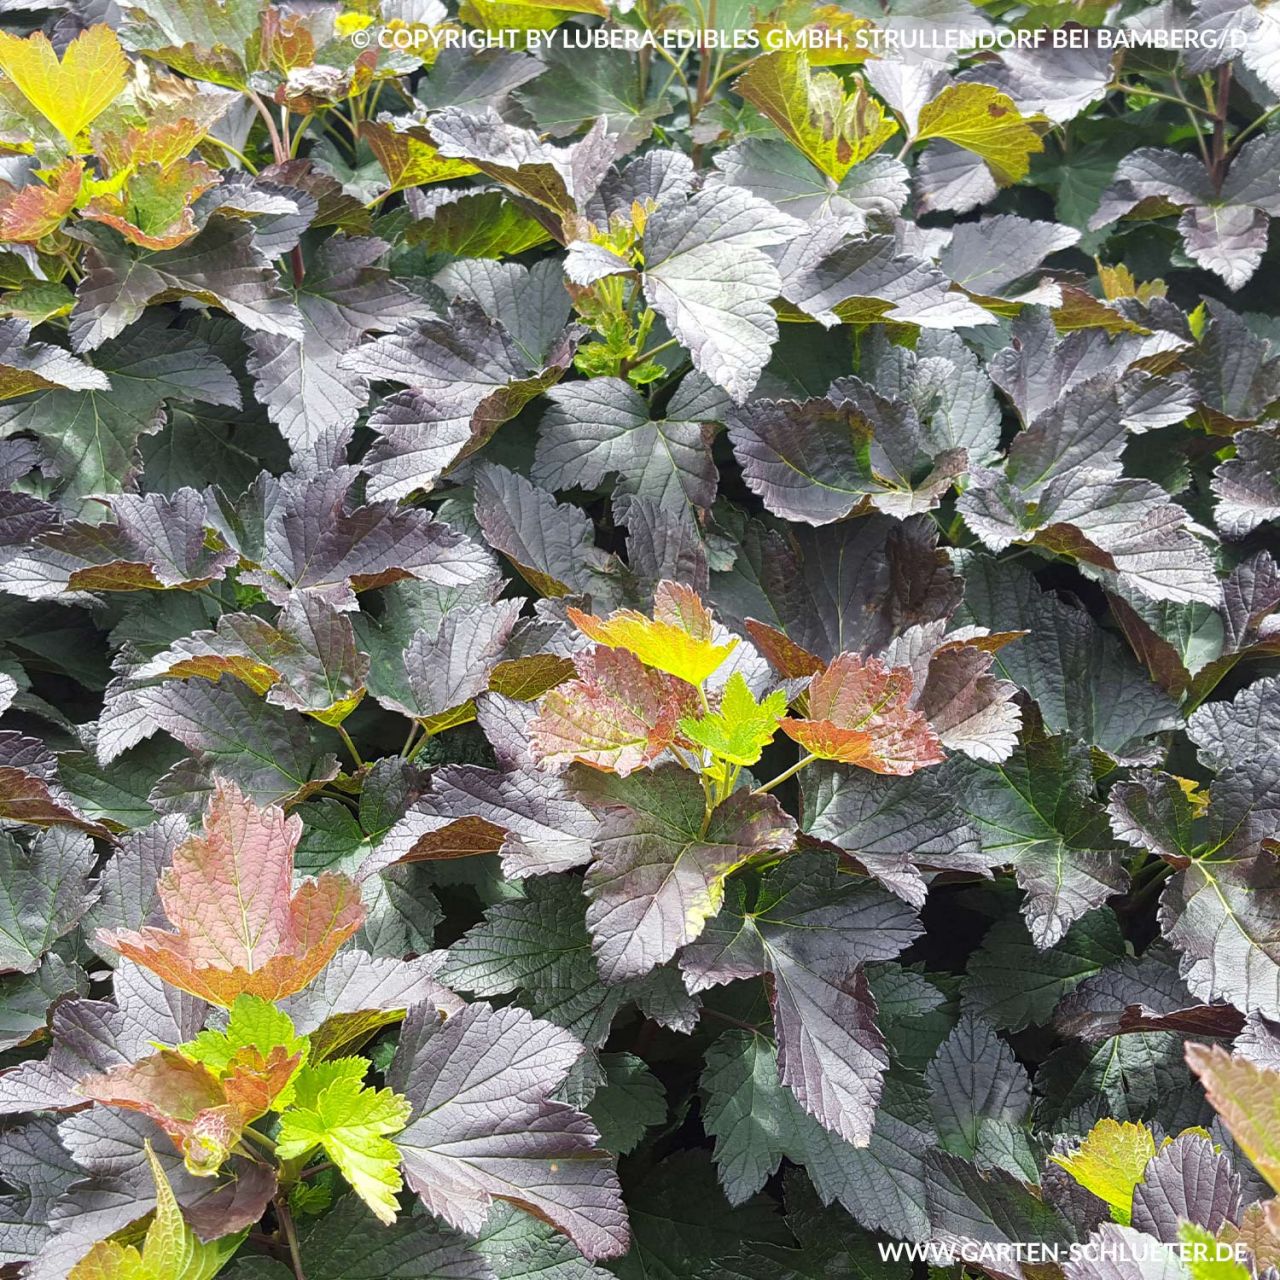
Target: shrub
623	657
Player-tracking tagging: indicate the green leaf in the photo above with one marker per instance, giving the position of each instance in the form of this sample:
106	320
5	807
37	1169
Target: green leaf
476	224
742	727
980	1098
537	946
335	1110
680	1221
1202	1261
829	1246
1036	812
45	891
627	1101
756	1123
254	1023
1013	983
346	1243
520	1247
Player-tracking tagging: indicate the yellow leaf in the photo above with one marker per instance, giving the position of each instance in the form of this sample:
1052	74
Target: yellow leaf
677	639
835	129
1196	795
831	29
1110	1162
73	93
1079	310
409	159
526	15
985	121
1119	282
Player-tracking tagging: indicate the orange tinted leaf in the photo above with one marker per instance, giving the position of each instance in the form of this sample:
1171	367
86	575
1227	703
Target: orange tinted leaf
239	927
785	656
162	144
254	1079
28	798
286	40
34	211
860	713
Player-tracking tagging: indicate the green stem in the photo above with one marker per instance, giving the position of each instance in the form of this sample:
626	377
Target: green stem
676	70
417	751
654	351
335	114
1251	129
351	746
1195	124
297	134
414	726
290	1233
260	1138
731	780
1144	92
1144	892
677	66
249	166
733	71
785	774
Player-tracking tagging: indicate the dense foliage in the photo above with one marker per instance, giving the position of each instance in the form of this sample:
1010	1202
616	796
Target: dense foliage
628	659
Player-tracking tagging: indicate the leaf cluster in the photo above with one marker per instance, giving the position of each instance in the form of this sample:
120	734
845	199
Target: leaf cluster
625	657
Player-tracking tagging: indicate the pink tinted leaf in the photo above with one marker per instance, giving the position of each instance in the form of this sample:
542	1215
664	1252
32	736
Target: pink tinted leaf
240	928
618	715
